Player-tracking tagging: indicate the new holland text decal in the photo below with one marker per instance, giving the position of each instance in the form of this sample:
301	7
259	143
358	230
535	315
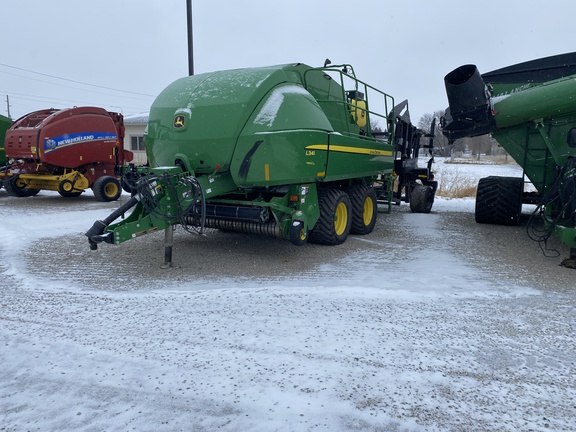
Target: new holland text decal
55	143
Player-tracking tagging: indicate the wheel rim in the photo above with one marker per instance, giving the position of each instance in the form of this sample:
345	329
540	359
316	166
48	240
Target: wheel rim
110	190
340	218
368	211
19	183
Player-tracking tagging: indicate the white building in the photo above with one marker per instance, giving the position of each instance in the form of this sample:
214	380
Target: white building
134	136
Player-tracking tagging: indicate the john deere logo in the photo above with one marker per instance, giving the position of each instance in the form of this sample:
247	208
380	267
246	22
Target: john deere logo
179	121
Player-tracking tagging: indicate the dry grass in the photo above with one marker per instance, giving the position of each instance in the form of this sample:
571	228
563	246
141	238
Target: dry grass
489	160
456	185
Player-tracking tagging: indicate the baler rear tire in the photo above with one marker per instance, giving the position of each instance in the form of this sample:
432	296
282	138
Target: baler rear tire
421	199
364	208
66	189
499	200
333	226
106	189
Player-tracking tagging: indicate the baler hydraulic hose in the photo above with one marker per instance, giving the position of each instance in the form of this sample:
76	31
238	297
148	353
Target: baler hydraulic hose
94	234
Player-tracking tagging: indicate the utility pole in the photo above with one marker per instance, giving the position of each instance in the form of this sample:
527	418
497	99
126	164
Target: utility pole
8	106
190	38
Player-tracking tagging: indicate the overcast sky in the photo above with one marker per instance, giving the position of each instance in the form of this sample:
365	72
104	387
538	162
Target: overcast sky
50	50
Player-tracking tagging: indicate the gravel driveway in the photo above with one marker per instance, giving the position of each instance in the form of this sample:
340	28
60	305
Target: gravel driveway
430	323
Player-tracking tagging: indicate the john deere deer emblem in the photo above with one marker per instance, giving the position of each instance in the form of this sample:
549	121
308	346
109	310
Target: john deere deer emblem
179	121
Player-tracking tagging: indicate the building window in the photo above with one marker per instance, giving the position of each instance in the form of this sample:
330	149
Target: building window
137	143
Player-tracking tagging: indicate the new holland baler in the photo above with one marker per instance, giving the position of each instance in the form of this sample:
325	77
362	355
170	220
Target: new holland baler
65	150
530	109
289	151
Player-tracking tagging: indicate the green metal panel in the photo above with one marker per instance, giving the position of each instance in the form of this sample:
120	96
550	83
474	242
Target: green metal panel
533	126
551	99
271	150
5	123
198	119
275	158
268	126
354	157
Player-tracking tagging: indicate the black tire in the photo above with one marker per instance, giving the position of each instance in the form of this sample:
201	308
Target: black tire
499	200
298	235
17	188
364	208
66	189
106	189
421	199
335	220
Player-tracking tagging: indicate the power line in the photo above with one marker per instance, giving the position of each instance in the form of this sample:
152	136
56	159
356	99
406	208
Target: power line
74	81
80	89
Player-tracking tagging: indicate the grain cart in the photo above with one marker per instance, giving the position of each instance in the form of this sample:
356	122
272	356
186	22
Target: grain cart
68	151
530	109
289	151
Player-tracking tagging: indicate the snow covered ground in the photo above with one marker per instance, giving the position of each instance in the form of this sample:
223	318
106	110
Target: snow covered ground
408	329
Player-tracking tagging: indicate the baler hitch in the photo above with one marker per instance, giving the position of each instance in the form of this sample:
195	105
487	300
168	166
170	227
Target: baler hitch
96	233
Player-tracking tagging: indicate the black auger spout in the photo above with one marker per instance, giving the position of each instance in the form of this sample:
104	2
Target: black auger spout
469	113
96	233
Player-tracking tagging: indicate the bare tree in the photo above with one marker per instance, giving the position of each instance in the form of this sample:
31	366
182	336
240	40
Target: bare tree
441	144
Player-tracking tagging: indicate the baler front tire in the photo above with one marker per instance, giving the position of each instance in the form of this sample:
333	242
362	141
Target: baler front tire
17	188
499	200
106	189
364	208
333	226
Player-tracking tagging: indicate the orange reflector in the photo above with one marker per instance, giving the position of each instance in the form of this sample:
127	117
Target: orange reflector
294	198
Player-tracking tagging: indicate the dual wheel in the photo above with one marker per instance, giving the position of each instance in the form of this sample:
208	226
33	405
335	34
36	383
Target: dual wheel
353	211
105	189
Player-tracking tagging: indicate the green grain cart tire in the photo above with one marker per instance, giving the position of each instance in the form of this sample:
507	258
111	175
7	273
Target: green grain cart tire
499	200
106	189
335	220
421	199
17	188
364	208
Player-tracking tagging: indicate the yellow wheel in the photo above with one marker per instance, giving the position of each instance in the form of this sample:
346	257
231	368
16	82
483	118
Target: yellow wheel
107	188
368	213
67	190
298	235
341	218
111	189
364	208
